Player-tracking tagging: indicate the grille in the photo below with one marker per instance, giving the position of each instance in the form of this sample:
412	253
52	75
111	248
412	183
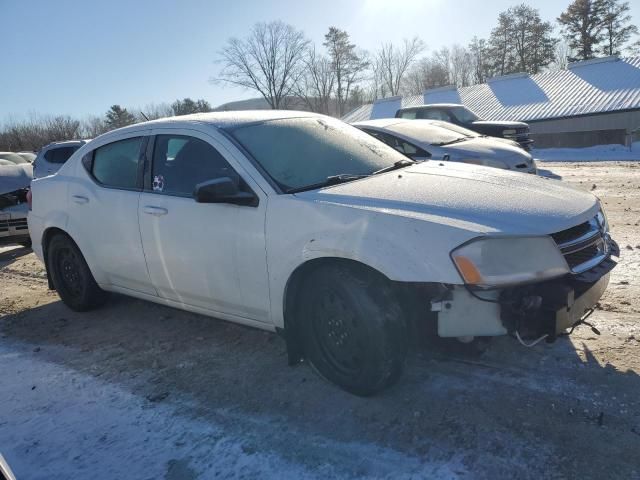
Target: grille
17	224
583	246
572	233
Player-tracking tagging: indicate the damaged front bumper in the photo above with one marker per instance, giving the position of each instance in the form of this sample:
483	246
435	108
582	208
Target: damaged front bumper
540	309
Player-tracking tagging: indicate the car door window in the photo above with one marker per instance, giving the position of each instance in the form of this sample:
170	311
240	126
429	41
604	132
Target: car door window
181	162
116	164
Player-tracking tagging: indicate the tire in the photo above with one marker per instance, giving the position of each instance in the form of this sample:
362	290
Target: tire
352	328
71	276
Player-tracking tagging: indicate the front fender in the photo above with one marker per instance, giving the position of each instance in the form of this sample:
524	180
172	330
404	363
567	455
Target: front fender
403	249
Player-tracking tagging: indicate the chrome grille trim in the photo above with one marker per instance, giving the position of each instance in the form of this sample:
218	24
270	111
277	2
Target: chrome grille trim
584	246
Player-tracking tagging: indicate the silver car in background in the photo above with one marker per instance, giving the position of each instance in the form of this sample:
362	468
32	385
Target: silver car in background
15	180
437	140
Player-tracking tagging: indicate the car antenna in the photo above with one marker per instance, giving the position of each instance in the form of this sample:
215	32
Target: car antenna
145	117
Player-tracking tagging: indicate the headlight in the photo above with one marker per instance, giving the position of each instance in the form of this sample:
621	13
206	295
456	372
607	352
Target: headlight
502	261
509	131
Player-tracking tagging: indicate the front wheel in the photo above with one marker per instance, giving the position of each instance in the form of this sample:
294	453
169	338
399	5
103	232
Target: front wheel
71	275
352	328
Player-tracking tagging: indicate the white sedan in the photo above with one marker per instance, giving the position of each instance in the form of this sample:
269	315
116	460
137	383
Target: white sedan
437	140
302	224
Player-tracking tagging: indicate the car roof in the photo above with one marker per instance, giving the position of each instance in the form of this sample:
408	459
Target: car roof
381	122
224	120
433	105
66	143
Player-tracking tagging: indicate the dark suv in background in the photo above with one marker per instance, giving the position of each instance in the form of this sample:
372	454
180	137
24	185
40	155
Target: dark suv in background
461	115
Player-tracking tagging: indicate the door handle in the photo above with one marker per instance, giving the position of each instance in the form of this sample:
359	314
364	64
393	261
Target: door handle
79	199
155	211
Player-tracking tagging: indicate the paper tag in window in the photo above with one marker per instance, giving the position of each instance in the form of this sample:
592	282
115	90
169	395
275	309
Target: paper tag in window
158	183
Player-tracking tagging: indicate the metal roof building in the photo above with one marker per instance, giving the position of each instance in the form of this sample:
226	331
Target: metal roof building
592	102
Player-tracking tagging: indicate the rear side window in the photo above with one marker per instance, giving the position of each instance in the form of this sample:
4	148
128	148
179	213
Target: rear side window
116	164
435	114
60	154
182	162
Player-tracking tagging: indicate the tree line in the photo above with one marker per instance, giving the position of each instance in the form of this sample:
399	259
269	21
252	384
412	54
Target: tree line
39	130
281	64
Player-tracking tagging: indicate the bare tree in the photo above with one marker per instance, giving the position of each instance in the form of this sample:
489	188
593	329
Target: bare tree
348	63
270	60
153	111
478	50
461	66
426	73
562	53
317	84
93	126
392	62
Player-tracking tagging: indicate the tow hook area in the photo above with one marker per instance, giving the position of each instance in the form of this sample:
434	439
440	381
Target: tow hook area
545	311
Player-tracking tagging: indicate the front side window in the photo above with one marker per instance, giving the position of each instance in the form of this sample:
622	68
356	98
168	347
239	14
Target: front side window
464	115
60	154
302	152
182	162
116	164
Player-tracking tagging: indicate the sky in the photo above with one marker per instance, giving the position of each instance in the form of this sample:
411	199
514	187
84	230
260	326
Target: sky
80	57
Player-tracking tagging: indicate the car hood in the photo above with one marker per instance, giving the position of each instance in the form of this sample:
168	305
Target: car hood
15	177
481	199
488	148
500	123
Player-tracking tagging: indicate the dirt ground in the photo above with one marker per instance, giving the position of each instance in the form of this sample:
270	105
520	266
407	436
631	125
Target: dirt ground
137	390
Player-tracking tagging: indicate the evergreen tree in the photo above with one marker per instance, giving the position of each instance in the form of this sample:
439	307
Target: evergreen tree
118	117
618	28
583	26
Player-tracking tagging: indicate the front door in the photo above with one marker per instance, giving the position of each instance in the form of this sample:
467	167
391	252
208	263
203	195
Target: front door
202	254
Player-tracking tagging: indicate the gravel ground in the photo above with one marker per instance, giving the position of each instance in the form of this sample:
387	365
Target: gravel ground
137	390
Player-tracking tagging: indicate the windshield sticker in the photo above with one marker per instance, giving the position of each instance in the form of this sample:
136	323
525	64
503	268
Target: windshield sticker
158	183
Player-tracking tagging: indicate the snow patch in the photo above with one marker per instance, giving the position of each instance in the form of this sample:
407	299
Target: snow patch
599	153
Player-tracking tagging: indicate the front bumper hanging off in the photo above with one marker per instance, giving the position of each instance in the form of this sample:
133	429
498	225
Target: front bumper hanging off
550	308
547	308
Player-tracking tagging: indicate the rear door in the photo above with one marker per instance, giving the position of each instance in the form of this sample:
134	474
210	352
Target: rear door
103	213
207	255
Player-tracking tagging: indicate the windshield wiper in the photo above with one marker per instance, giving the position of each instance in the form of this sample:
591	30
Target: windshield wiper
399	164
332	180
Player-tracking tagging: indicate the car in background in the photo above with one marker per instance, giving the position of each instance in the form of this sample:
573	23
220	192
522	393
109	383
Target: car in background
12	157
51	157
463	116
28	156
14	187
432	139
301	224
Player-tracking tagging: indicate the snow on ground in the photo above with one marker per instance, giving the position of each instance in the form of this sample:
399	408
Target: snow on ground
68	425
599	153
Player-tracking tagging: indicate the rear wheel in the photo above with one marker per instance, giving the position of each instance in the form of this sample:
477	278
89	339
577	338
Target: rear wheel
352	328
71	275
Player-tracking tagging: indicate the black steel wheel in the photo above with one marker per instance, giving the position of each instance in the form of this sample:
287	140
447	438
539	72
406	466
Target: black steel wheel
71	275
352	328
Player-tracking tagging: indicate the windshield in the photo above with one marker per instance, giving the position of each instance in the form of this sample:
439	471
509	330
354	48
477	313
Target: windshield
301	152
425	132
464	115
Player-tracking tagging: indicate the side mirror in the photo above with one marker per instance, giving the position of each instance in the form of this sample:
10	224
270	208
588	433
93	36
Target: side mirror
223	190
